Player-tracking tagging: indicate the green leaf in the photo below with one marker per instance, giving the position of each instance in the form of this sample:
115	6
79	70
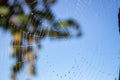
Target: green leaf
62	23
21	18
4	10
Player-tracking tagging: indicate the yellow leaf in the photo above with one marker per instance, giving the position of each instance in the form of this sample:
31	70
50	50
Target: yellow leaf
17	36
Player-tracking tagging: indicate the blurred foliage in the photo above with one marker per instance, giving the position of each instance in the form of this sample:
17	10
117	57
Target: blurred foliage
29	27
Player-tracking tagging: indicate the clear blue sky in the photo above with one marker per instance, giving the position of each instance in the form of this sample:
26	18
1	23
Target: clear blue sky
94	56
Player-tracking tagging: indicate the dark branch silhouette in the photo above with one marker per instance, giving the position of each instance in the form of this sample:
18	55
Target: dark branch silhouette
119	20
118	78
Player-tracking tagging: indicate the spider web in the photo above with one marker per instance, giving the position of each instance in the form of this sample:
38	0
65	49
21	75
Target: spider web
68	75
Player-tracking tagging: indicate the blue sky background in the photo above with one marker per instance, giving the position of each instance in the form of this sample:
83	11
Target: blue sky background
94	56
